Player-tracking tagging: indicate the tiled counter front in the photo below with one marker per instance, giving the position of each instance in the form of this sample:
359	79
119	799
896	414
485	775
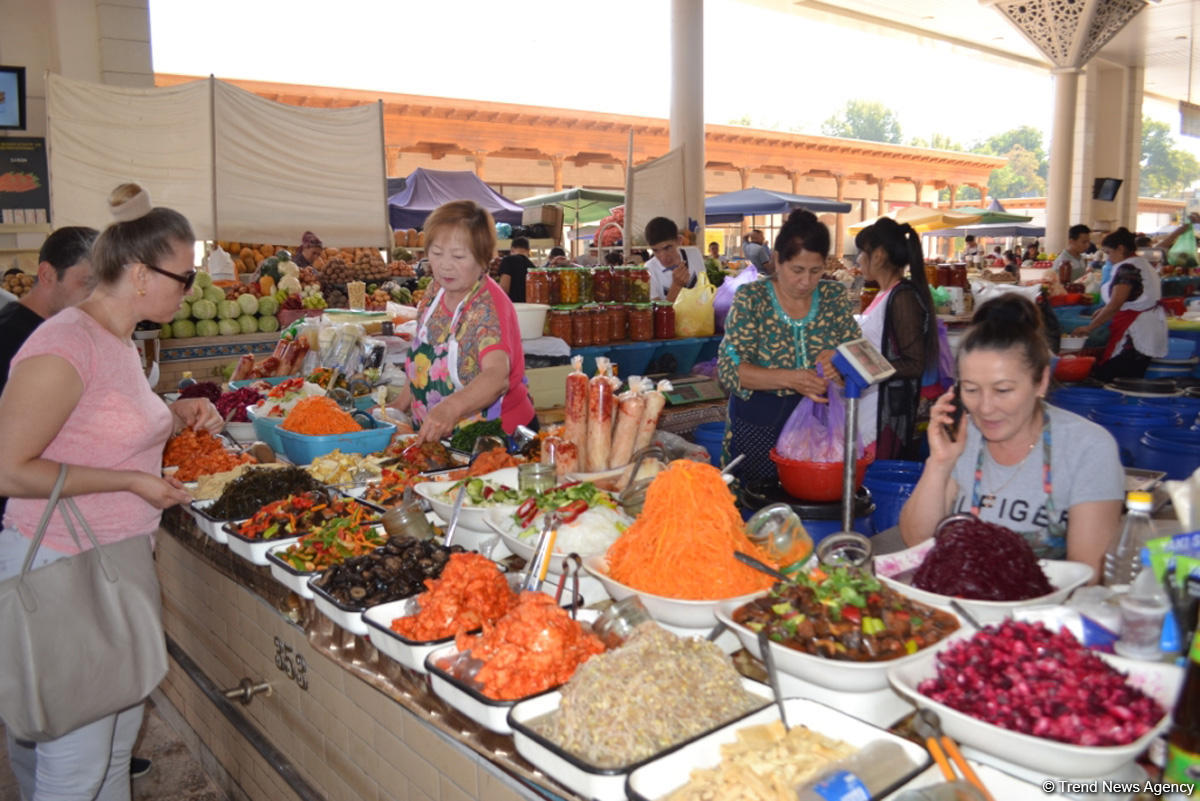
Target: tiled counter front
355	724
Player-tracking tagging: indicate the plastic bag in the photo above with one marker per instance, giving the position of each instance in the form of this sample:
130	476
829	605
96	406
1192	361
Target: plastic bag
816	432
723	300
1183	252
694	309
220	266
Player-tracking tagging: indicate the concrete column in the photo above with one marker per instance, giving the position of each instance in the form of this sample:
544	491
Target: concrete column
1131	128
557	163
744	174
839	236
917	187
687	102
1062	142
953	196
480	161
796	175
882	188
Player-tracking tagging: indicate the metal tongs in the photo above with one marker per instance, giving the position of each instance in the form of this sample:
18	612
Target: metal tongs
542	553
928	726
571	566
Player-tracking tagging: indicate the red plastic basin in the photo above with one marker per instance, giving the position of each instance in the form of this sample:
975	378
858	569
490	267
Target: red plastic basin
815	481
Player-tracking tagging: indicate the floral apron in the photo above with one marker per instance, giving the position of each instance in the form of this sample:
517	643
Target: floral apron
432	367
1049	542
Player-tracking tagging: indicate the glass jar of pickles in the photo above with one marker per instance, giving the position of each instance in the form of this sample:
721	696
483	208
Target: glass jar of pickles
570	285
618	322
602	284
601	331
537	287
620	285
639	285
664	321
585	285
554	285
558	321
581	328
641	322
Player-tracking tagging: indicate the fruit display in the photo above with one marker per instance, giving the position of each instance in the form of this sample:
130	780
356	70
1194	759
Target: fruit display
209	310
408	238
18	283
248	257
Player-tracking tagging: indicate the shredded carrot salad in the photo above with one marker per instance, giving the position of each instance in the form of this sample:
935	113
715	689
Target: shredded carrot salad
319	416
682	544
198	453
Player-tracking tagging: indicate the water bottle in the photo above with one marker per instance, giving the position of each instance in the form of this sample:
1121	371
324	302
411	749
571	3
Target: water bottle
861	776
1143	609
1122	561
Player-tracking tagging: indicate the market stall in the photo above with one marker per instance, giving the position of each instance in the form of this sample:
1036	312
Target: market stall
734	206
424	190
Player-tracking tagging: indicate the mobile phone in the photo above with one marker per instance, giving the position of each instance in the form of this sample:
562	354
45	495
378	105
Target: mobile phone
957	414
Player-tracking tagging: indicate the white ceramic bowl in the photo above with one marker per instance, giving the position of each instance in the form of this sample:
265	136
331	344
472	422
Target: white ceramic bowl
295	580
1064	576
1050	757
500	520
832	674
531	319
662	776
1071	343
674	611
242	432
214	528
253	550
601	784
410	653
349	619
441	498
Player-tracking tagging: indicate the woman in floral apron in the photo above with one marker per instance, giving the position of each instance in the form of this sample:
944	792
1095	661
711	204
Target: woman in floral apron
466	362
1043	472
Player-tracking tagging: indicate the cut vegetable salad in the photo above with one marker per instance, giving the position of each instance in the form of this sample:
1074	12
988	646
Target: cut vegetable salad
284	396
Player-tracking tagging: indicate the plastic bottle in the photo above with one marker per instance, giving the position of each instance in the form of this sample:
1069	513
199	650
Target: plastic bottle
1122	562
1142	612
861	776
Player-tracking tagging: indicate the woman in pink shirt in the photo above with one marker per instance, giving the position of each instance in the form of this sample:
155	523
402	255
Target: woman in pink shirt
77	395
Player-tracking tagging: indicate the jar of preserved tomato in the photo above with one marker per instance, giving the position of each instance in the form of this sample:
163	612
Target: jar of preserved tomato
558	321
569	285
602	284
620	285
581	328
554	287
585	285
664	321
639	285
945	275
931	274
537	287
618	322
959	276
641	322
601	330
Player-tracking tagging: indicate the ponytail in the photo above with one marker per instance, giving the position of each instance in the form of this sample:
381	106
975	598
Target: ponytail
901	245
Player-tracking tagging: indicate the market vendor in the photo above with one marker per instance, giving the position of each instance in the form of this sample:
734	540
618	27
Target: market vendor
310	249
777	332
466	362
673	266
1131	298
1048	474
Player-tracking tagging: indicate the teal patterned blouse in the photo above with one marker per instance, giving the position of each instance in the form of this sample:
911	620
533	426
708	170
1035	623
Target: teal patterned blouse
758	331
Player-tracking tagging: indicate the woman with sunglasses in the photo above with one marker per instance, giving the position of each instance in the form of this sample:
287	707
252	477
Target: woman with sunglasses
76	394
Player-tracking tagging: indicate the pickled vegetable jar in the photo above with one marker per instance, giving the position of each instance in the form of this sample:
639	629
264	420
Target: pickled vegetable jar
602	278
620	285
641	323
581	328
569	283
559	323
537	287
555	287
585	285
601	330
639	285
664	321
618	322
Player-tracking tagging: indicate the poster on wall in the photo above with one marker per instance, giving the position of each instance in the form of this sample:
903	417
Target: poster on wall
24	182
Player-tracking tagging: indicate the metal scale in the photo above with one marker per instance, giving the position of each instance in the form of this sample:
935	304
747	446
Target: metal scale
693	389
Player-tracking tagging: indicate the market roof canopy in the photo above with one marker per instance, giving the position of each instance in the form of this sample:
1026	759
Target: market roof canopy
993	230
580	204
733	206
425	190
988	216
238	166
922	219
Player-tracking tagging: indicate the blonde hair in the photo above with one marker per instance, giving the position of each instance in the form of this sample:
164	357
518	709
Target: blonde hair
141	233
470	218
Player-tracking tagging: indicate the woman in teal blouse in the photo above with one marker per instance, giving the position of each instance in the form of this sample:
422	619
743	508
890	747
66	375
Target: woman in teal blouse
778	331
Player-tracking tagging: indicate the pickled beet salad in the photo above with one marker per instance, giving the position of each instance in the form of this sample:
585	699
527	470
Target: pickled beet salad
983	562
845	614
1026	678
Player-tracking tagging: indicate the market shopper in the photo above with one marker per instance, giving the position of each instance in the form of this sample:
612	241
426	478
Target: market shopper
1131	295
77	394
310	249
777	332
1014	460
900	322
1078	241
674	265
466	362
513	269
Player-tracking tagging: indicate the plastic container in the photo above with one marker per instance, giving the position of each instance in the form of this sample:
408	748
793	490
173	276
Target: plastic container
876	768
1159	370
266	429
531	319
1122	561
1081	400
815	481
1128	422
712	437
1181	348
302	449
633	358
1187	408
676	356
1175	451
1143	610
1073	368
891	482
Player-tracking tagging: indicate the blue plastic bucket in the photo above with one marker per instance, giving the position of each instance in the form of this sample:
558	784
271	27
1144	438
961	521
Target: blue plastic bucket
1173	450
822	519
1127	423
1188	409
890	483
1082	400
711	435
1159	370
632	359
1181	348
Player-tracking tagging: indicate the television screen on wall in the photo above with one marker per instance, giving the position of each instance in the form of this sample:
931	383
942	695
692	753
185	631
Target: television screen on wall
1106	188
12	98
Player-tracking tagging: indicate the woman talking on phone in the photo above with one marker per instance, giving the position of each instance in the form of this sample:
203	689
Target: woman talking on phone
1012	459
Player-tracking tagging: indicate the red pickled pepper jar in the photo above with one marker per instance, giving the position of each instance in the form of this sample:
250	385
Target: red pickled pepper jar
620	285
641	323
559	323
602	280
664	321
601	329
555	288
581	329
618	322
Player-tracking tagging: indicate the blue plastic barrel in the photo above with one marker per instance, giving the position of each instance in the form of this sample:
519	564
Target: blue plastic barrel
711	435
1173	450
822	519
890	483
1188	409
1082	400
1127	423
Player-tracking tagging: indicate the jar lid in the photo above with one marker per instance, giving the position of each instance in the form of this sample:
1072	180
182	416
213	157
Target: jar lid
566	307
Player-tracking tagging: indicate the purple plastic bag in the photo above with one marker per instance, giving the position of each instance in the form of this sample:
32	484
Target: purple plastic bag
815	432
723	300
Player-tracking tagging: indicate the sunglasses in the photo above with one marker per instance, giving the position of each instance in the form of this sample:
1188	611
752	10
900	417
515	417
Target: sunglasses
186	279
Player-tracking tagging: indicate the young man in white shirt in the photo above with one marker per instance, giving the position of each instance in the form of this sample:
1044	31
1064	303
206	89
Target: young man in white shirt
673	266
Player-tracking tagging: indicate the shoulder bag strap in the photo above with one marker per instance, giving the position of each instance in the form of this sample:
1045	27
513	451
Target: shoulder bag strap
45	521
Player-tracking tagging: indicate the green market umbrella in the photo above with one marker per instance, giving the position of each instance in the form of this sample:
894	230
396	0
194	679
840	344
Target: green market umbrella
583	205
